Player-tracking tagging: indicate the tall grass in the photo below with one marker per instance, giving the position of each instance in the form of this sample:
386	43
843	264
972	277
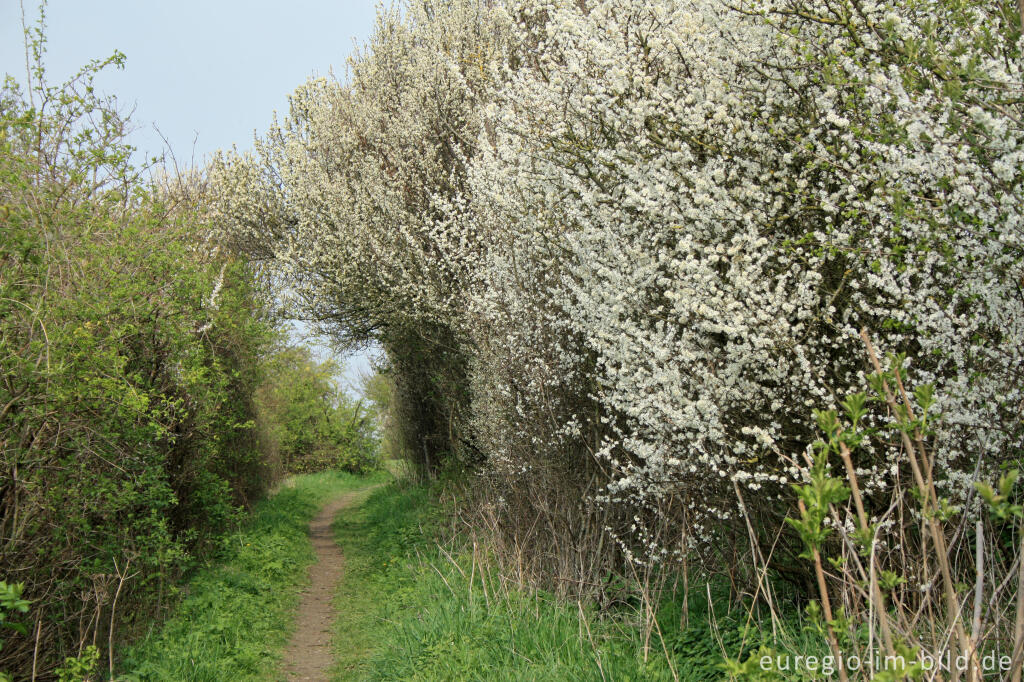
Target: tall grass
413	609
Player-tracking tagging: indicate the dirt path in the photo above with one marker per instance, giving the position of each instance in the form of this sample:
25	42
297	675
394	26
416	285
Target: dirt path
308	656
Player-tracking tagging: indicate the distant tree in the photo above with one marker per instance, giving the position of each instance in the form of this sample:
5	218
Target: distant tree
313	423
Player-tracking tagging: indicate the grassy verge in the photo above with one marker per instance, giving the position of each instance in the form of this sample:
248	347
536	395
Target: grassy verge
235	618
409	612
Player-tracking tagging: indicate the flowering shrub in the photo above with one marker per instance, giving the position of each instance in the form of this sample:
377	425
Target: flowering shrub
344	197
647	234
726	197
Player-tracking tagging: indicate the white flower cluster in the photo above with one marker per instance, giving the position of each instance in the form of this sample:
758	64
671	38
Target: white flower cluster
343	196
656	228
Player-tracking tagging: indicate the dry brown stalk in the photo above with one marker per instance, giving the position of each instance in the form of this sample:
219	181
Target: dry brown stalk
826	604
929	504
875	591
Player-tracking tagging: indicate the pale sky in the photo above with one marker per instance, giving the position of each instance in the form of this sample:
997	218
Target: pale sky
213	71
207	74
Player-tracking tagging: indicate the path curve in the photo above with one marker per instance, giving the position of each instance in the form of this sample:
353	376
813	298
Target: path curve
309	656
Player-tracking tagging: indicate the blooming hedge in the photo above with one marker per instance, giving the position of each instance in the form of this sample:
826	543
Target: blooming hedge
648	234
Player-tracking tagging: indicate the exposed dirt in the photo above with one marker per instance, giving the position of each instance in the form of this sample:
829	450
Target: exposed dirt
308	656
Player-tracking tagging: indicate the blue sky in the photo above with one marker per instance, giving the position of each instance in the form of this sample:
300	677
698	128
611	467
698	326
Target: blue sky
215	69
206	74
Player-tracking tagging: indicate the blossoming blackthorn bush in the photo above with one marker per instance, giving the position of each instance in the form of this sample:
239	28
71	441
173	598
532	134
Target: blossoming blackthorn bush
623	249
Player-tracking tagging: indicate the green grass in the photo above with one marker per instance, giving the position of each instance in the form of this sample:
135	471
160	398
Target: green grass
407	612
236	616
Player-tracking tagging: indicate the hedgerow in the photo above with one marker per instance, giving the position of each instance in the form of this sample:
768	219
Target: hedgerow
130	344
619	252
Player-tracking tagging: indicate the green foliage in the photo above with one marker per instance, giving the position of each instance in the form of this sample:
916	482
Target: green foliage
1000	498
11	603
313	424
823	489
379	389
80	668
235	618
129	351
754	668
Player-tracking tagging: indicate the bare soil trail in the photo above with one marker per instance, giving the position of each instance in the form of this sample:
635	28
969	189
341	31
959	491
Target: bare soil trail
309	656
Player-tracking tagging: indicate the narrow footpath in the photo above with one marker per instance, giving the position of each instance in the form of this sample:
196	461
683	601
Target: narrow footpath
309	655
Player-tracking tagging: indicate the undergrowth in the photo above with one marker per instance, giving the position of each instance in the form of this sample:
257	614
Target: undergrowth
235	617
412	610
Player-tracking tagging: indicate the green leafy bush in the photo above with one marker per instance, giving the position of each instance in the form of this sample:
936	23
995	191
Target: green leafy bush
11	603
129	353
312	424
80	668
